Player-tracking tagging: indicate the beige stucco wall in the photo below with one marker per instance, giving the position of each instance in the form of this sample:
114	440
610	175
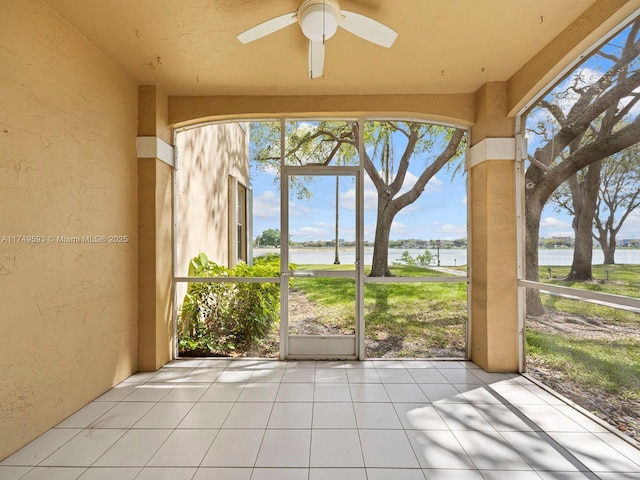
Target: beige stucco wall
68	311
208	156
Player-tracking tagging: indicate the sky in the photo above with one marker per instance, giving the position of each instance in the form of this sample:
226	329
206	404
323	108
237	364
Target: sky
439	213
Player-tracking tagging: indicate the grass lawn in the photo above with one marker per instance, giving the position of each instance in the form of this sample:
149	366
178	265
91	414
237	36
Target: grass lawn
597	363
401	319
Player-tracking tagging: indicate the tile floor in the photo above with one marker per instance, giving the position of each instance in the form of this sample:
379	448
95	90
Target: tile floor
375	420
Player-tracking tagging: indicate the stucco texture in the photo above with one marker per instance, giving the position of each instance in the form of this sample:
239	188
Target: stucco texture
68	170
209	155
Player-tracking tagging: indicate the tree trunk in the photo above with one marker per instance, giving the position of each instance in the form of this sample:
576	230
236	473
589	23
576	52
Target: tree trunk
532	224
609	249
380	263
584	196
609	255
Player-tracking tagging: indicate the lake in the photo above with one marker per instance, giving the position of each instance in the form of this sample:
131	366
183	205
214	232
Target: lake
448	257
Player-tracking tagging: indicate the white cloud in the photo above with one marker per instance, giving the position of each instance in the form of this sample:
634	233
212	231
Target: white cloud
553	222
452	231
631	227
311	233
267	205
464	200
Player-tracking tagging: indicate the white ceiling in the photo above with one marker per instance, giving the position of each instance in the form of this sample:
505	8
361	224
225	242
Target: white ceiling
189	47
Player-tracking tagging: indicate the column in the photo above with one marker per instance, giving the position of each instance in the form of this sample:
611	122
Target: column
155	251
494	318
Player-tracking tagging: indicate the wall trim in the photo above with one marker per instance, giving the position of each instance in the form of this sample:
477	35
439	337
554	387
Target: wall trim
155	147
492	149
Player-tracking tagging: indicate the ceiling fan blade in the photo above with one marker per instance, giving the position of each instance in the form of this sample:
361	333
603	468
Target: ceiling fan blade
368	28
316	58
265	28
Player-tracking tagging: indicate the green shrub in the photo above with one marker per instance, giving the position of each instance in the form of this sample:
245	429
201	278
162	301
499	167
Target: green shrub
224	317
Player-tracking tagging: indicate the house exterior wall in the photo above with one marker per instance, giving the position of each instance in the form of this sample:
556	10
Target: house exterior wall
208	155
68	171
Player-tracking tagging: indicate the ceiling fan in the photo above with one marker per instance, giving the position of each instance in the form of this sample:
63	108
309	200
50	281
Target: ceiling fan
319	20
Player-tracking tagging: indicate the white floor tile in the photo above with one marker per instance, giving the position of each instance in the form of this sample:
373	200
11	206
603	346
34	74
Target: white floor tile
140	377
539	453
405	392
222	392
489	450
395	375
461	376
295	392
234	376
387	448
368	392
363	375
418	416
291	415
518	394
335	375
234	448
54	473
337	473
549	419
183	448
442	474
86	415
579	476
110	473
259	392
427	375
504	419
280	474
333	415
203	375
185	363
212	473
442	393
262	420
40	448
299	375
395	474
171	375
285	449
117	393
248	415
478	394
206	415
389	364
463	417
133	449
8	472
123	415
336	448
509	475
376	416
166	473
83	449
186	392
439	449
164	415
267	375
332	392
596	454
149	392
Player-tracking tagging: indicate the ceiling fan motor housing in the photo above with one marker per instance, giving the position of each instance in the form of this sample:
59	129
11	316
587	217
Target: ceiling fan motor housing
319	19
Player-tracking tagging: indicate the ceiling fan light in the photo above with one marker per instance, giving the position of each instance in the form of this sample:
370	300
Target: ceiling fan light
318	21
